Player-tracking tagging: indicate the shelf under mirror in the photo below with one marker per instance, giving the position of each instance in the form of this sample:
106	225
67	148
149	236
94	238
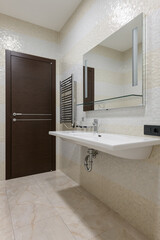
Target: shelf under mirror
112	99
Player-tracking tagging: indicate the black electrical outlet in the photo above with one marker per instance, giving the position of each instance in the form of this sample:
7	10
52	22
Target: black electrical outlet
152	130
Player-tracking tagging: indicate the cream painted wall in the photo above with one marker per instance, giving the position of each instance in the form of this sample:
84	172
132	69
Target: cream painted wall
27	38
131	188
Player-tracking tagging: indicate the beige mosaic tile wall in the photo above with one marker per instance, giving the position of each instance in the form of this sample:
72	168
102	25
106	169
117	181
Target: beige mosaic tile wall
131	188
27	38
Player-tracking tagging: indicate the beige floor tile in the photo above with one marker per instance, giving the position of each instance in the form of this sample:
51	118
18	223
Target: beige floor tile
119	229
68	198
51	206
85	216
5	217
124	227
2	192
2	184
24	194
58	183
50	229
83	230
85	193
7	235
45	176
19	182
80	231
5	221
91	207
31	211
66	204
27	202
89	226
69	216
116	234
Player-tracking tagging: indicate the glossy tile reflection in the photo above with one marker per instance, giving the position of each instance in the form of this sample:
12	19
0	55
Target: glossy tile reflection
51	206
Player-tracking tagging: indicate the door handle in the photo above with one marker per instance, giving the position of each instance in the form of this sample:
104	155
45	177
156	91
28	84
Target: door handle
17	114
21	120
31	114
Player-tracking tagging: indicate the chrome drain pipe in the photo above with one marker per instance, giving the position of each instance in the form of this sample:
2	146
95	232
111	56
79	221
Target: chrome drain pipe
88	162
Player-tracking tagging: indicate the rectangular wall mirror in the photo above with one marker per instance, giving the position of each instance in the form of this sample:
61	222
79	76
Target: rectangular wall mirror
114	70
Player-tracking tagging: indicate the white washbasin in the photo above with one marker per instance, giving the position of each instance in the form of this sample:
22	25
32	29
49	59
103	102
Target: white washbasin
124	146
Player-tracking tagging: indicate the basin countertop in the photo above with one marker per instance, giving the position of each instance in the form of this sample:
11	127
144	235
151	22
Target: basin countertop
110	141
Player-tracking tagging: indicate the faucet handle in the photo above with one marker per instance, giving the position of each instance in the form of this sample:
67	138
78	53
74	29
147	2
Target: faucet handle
95	124
95	121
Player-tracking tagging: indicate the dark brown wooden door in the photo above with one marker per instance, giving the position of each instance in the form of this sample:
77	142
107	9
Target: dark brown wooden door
30	114
88	103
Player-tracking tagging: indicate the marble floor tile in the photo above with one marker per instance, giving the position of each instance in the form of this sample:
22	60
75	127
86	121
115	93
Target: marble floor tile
28	200
5	217
51	206
118	234
5	222
66	204
50	229
91	207
83	230
68	198
2	184
120	227
86	226
31	211
2	192
24	194
19	182
7	235
85	217
58	183
80	231
45	176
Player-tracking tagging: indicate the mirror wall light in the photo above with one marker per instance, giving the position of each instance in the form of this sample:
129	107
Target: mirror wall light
115	69
135	57
86	80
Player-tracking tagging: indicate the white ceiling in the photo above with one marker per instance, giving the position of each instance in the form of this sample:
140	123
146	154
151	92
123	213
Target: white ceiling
51	14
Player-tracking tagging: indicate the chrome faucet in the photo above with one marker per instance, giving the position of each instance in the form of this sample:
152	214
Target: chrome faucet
95	125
